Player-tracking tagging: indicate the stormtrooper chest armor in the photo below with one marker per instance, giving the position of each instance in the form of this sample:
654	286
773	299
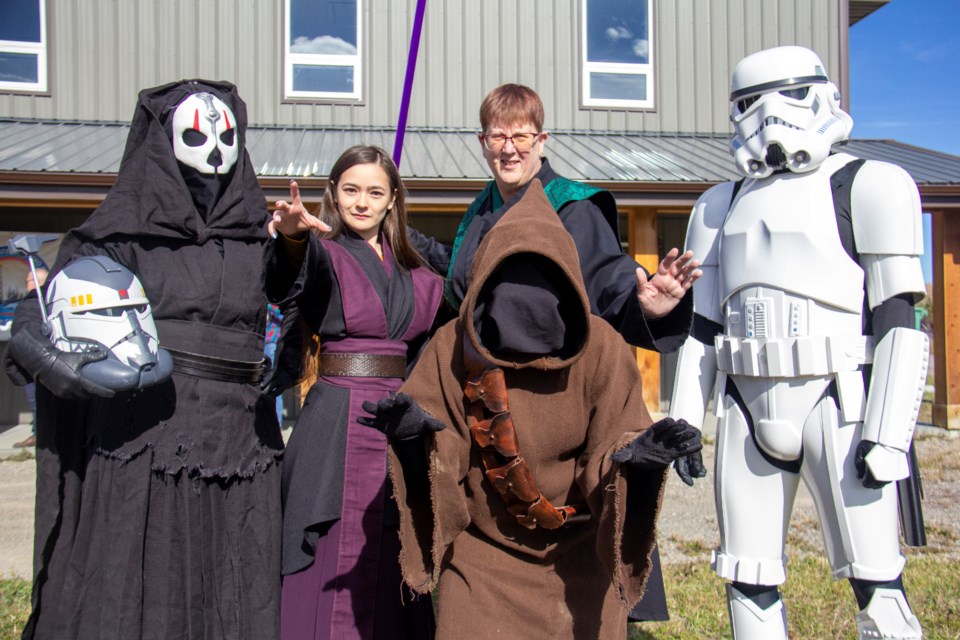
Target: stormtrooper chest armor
783	270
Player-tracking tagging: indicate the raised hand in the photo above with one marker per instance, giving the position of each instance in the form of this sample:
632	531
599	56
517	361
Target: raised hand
292	219
661	293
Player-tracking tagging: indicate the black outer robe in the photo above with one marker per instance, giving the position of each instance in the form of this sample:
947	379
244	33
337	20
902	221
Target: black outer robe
158	511
608	273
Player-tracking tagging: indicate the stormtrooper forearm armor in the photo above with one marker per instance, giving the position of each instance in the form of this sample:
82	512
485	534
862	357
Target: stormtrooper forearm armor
893	400
886	224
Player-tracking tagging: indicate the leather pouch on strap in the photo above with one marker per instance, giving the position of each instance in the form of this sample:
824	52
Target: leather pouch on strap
497	432
493	431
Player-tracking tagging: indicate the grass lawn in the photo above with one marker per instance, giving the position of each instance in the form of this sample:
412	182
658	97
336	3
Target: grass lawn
14	607
818	608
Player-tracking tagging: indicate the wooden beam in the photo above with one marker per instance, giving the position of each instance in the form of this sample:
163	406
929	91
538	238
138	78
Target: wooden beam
946	334
642	245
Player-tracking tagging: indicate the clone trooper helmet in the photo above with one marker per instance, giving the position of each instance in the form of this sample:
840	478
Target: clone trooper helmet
205	134
95	302
785	111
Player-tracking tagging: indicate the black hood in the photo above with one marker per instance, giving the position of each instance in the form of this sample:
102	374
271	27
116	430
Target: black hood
526	305
151	198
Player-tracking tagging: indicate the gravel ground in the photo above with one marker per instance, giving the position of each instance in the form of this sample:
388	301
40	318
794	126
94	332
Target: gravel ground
688	523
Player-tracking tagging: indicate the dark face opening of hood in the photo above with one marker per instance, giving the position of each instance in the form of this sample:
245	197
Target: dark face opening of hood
528	308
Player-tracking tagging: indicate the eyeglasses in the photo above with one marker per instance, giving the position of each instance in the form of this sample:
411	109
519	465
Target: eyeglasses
521	141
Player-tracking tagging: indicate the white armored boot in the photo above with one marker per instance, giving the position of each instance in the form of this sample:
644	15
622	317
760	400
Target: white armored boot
888	617
751	620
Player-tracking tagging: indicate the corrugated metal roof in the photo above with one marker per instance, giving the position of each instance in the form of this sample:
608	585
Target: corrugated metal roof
96	147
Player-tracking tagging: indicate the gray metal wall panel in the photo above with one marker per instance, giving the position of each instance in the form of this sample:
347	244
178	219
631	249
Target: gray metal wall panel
102	52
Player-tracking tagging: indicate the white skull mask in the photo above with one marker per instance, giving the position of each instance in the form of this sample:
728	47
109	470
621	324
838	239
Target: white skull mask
205	134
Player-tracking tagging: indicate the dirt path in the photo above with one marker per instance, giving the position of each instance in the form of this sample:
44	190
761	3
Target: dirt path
688	522
17	490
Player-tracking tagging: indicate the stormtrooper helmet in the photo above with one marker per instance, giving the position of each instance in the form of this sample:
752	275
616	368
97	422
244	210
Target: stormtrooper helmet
205	134
785	111
95	302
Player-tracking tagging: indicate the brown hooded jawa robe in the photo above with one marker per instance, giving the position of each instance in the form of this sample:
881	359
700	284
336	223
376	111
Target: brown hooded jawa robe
572	409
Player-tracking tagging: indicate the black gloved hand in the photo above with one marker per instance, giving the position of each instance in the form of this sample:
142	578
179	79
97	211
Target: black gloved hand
399	417
689	467
863	469
59	371
276	380
661	444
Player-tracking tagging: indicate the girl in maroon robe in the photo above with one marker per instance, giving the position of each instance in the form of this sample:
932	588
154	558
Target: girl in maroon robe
361	288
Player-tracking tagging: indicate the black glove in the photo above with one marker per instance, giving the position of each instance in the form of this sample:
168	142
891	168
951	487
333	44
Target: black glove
399	417
689	467
863	469
276	380
661	444
59	371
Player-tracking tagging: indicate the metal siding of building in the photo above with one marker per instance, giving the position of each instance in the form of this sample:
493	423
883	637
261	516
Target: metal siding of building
103	52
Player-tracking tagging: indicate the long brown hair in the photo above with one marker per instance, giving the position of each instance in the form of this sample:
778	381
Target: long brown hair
394	228
394	225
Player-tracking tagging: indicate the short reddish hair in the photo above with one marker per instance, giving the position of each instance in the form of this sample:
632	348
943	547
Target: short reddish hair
511	104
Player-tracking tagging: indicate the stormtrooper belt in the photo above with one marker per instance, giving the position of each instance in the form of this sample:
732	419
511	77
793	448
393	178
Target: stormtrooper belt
211	368
491	425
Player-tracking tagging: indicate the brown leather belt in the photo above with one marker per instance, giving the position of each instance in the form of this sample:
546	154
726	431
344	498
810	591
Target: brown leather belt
362	365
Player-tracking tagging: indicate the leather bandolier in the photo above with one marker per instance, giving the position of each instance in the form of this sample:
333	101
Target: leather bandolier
491	425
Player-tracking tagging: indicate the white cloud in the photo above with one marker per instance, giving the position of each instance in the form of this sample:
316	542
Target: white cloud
328	45
641	48
616	33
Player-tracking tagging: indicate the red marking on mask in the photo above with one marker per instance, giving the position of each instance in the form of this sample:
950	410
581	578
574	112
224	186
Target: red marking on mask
227	118
196	119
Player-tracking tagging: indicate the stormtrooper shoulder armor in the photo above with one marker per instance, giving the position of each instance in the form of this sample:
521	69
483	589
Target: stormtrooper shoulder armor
703	230
885	215
885	210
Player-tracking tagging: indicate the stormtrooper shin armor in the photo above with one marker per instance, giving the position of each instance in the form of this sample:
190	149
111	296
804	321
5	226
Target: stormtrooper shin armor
785	300
95	301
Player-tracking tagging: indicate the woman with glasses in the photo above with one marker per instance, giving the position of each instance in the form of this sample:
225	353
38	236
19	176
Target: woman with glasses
650	312
653	313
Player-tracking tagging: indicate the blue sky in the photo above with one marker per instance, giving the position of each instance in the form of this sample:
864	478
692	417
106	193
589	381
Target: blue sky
905	77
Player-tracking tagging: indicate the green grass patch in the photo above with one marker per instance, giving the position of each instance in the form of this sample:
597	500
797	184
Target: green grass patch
14	607
818	607
20	456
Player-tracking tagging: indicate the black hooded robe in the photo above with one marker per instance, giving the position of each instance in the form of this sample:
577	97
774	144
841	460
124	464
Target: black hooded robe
158	511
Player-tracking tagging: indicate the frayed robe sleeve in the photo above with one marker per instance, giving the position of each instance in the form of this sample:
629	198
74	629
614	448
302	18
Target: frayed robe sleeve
624	501
433	513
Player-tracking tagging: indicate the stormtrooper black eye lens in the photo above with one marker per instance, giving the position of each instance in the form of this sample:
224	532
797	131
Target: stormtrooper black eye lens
228	136
744	104
796	94
194	138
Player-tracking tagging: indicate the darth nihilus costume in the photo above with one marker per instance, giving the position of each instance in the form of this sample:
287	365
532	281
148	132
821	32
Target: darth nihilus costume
562	548
158	510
